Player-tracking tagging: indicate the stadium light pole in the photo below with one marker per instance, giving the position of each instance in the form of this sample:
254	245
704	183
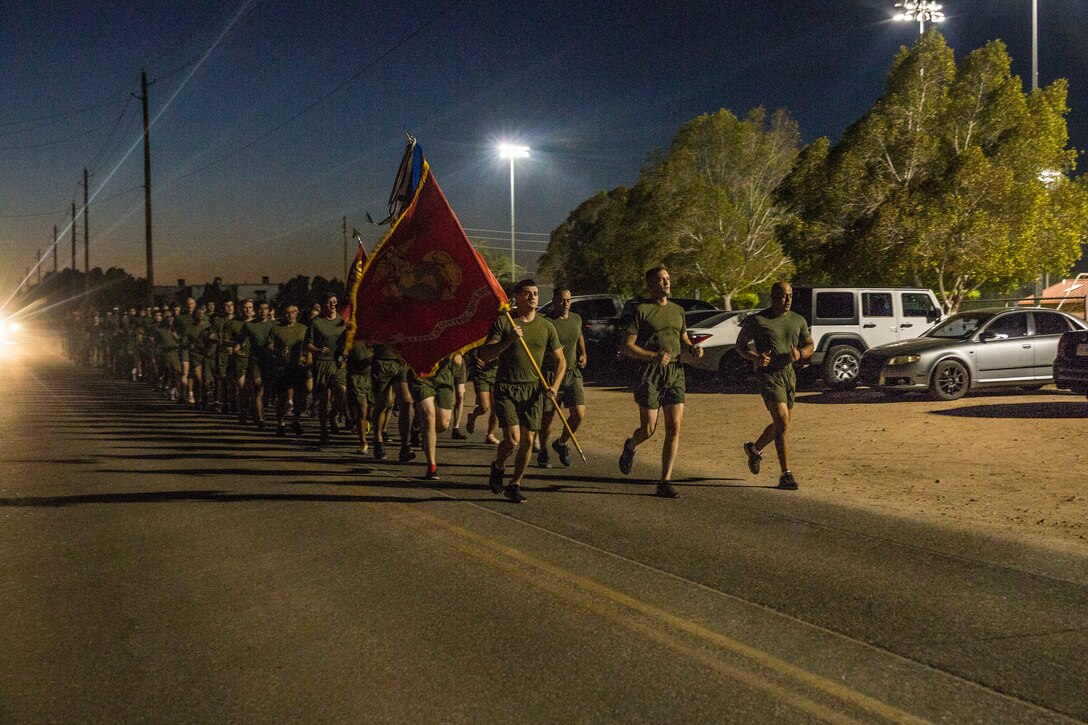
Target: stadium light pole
1034	45
921	12
510	151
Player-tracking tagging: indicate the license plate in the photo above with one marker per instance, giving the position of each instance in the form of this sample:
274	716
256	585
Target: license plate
1082	349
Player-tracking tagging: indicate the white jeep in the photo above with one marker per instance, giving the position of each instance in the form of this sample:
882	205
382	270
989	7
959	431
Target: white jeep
847	321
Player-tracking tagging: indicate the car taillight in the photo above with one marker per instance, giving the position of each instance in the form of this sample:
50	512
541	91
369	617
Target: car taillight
698	337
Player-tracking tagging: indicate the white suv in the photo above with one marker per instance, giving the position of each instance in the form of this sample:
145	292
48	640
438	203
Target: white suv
847	321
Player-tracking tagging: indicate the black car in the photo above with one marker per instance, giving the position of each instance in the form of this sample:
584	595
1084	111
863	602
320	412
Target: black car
1071	364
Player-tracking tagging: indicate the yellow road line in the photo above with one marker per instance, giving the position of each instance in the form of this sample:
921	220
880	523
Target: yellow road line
508	559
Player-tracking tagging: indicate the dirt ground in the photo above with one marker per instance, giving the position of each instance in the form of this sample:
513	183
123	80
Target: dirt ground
1002	462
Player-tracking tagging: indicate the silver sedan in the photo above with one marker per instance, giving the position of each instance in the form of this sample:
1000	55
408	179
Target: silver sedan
969	350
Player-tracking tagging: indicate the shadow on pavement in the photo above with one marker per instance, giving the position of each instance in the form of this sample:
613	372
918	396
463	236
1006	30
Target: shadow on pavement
209	496
1019	410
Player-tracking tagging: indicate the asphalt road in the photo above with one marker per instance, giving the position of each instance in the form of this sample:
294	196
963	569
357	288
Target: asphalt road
158	564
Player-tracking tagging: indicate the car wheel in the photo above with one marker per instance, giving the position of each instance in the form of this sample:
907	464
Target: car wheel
841	367
950	380
733	369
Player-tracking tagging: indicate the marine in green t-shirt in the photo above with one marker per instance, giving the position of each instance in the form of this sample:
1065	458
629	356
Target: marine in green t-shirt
774	340
656	336
519	390
325	340
568	325
287	352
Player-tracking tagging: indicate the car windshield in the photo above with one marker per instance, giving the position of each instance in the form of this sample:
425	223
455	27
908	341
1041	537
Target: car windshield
960	326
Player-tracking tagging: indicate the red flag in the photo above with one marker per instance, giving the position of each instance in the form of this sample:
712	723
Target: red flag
425	290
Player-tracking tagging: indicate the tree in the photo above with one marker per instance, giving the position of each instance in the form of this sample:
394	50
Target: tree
714	200
941	183
499	264
582	249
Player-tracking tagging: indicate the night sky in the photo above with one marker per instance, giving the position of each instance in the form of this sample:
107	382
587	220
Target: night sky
275	118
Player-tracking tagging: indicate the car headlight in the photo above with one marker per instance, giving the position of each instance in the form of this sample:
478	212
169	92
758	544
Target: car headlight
904	360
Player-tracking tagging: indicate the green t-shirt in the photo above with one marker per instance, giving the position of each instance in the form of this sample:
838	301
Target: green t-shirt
514	364
777	335
569	330
229	333
658	328
194	336
286	342
326	333
387	353
164	338
359	358
182	322
254	337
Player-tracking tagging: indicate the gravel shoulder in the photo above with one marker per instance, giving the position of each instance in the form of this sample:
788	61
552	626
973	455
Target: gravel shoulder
1004	463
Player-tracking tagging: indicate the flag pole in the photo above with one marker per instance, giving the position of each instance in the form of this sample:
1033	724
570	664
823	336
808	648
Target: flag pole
558	411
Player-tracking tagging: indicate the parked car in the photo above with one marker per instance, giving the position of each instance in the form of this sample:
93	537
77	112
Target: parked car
601	319
1071	363
717	335
847	321
694	317
970	350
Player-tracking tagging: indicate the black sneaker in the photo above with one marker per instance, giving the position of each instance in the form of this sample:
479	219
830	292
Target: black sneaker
495	479
470	423
563	450
281	430
665	490
296	428
754	457
513	492
432	473
379	451
406	454
542	459
414	440
786	482
334	427
323	439
260	424
627	458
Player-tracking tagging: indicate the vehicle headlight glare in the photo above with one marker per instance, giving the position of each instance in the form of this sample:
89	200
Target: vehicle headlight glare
904	359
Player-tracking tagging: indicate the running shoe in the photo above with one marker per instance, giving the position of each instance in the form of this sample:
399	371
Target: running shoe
457	435
379	450
492	440
323	439
513	492
786	482
542	459
296	428
432	473
281	430
563	450
406	454
260	424
754	457
470	422
665	490
627	458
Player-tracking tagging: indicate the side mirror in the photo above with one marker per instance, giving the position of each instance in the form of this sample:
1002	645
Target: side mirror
933	314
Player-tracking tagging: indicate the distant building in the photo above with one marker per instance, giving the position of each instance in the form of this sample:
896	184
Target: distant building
264	291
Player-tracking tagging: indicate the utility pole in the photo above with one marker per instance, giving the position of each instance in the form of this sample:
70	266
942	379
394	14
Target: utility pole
147	189
73	236
345	250
54	249
86	227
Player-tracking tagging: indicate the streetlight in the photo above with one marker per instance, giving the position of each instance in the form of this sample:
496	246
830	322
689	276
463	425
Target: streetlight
920	11
510	151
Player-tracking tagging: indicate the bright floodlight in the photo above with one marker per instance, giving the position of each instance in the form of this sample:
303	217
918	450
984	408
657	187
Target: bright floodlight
510	151
921	12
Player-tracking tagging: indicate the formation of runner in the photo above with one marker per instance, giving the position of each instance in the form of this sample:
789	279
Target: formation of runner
264	365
